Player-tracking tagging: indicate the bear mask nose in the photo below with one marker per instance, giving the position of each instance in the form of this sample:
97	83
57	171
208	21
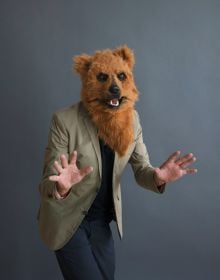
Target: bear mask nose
114	89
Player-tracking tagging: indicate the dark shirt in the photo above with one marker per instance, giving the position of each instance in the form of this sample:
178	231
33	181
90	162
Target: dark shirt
102	207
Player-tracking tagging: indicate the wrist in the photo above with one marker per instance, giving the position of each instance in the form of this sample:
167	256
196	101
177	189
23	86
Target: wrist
60	194
158	181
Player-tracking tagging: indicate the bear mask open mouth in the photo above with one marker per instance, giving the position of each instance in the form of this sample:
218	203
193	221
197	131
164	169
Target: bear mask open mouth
115	102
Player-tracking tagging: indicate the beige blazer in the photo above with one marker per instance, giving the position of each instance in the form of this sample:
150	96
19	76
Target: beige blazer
71	129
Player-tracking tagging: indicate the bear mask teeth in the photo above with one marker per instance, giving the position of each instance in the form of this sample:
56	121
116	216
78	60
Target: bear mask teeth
114	102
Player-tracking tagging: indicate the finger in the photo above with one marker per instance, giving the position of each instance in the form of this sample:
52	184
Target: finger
64	161
184	158
188	162
54	178
85	171
191	170
57	166
73	157
173	157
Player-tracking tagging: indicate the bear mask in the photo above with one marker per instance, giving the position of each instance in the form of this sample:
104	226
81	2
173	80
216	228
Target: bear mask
109	94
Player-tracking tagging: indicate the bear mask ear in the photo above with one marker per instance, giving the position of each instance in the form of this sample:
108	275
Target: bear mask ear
82	63
126	54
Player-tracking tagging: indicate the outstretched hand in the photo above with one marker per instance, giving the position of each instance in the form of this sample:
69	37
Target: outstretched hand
69	173
174	168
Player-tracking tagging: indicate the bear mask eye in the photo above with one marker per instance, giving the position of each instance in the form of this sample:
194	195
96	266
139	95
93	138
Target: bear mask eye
102	77
122	76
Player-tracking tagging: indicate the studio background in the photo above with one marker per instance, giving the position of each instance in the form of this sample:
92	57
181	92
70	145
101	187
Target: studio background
173	236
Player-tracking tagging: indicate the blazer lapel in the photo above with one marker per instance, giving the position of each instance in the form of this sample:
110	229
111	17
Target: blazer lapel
94	137
115	165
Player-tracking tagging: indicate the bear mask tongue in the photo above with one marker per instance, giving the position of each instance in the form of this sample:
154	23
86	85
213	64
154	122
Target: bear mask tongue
114	102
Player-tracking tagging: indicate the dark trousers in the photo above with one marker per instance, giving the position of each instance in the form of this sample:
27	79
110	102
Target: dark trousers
90	253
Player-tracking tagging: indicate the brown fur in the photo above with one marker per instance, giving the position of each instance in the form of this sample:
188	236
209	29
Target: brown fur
114	124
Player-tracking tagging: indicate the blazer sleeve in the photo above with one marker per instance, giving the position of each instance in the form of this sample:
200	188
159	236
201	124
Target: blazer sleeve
140	163
57	145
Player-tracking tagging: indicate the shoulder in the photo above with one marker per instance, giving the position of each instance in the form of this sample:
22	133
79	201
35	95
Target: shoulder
68	115
136	123
66	112
136	116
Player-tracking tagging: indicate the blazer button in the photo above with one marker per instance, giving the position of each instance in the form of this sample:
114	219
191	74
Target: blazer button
84	212
118	197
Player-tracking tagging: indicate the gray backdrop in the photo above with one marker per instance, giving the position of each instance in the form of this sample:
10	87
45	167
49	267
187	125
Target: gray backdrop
174	236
